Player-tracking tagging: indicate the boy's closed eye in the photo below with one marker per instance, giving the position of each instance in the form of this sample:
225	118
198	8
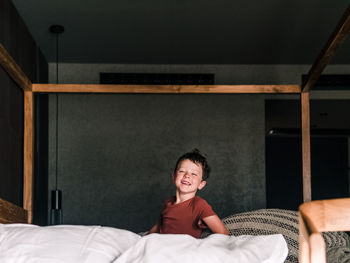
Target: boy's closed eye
183	171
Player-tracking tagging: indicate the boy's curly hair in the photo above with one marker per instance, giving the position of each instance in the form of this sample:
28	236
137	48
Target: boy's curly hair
196	157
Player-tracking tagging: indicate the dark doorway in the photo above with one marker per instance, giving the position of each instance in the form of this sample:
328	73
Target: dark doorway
329	168
329	172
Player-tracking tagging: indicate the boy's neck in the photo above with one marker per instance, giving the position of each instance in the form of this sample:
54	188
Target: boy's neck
181	197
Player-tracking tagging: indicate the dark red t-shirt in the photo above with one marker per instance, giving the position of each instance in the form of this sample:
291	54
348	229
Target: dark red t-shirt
183	218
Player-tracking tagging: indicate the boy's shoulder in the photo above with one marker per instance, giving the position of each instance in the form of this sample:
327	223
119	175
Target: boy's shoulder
200	201
202	208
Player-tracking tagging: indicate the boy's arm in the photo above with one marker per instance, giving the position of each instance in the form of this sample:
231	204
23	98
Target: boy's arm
215	224
154	229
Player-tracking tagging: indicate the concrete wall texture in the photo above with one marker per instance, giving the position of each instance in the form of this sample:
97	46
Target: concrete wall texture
117	154
117	151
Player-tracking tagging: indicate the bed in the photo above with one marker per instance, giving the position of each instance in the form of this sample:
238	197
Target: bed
10	213
76	243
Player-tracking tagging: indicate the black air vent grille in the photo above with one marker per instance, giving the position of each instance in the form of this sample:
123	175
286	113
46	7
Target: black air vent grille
156	79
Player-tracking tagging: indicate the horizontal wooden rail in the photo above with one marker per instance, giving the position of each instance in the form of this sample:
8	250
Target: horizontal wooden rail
12	68
11	213
107	88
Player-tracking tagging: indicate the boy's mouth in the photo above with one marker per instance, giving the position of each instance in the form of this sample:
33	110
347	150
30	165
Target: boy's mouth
185	182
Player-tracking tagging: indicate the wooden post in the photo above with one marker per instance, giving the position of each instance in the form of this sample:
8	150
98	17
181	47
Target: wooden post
28	157
306	145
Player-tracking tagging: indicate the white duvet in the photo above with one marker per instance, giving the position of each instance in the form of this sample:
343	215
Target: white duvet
215	248
28	243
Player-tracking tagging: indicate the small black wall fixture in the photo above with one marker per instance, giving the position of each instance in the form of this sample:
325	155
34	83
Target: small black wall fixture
56	216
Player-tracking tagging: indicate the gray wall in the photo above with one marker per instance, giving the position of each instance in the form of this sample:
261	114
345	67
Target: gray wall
117	153
224	74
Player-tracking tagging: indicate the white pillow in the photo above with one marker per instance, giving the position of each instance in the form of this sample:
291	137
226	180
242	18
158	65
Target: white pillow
65	243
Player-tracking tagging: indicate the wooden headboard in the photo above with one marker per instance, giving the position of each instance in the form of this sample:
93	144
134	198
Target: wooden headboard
11	213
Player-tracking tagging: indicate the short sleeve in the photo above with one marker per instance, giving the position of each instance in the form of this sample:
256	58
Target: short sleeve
205	209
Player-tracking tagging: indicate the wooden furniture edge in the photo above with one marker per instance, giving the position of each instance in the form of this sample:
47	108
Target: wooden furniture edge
327	215
320	216
108	88
11	213
12	68
304	240
312	247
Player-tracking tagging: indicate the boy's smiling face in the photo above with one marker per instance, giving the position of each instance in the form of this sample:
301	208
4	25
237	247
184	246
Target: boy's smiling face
188	177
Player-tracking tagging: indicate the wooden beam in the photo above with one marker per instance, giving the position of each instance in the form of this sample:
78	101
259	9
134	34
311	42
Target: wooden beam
28	154
11	213
306	145
328	51
14	71
96	88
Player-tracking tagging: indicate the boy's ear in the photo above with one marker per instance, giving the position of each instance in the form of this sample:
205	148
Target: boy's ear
201	185
173	176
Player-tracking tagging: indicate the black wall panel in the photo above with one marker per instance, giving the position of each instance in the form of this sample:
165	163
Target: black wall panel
16	38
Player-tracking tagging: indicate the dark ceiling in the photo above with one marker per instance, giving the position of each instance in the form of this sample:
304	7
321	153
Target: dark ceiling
185	31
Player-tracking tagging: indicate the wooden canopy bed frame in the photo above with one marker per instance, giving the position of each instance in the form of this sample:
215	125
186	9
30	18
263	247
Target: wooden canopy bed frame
11	213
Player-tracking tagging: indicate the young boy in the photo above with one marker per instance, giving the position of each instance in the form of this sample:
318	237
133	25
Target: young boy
186	213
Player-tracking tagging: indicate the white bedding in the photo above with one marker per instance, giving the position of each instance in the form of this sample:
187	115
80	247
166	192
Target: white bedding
28	243
21	243
215	248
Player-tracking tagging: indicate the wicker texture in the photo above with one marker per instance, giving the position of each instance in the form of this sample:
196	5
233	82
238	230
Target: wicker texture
277	221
